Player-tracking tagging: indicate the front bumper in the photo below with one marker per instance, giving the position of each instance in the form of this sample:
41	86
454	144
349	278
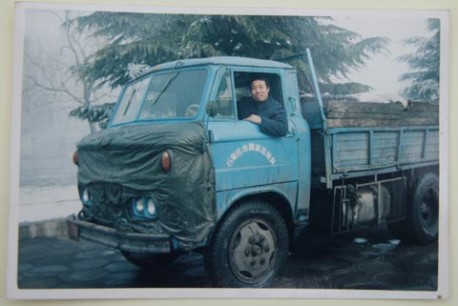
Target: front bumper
110	237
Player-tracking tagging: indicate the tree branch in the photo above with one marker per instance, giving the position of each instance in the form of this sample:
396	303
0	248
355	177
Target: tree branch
56	89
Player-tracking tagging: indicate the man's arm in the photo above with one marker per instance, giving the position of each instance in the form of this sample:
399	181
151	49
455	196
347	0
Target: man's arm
276	123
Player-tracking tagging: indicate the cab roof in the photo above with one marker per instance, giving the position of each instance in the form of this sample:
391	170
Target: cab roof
223	61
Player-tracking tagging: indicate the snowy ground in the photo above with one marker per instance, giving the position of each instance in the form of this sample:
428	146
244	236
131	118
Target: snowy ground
47	202
47	189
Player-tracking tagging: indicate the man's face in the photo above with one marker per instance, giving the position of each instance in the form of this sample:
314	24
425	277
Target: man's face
259	90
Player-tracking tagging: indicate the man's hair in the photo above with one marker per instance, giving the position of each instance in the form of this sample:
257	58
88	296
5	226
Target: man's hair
260	77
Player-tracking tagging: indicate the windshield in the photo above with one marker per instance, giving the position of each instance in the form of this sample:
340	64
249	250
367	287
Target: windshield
175	94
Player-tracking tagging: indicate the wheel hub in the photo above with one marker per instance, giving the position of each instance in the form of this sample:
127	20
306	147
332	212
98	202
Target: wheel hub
252	251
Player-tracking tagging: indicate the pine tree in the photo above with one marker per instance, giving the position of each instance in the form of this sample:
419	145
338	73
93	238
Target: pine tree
144	40
424	64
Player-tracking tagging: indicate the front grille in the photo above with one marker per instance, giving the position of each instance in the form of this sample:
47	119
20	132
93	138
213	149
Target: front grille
110	205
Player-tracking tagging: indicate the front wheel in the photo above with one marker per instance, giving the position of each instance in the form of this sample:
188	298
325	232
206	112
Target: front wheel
249	246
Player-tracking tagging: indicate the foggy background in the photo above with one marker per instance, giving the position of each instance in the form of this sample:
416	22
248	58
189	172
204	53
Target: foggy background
48	177
48	135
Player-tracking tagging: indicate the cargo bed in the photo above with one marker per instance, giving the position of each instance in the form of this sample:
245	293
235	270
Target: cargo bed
354	139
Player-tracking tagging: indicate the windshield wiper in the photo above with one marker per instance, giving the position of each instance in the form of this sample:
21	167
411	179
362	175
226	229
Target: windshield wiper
165	87
129	102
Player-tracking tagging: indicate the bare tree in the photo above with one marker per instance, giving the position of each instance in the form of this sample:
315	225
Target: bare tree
58	76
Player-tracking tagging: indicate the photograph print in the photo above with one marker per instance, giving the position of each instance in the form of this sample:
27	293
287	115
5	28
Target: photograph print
201	149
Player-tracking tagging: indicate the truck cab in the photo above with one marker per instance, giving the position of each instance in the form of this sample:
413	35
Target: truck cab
247	161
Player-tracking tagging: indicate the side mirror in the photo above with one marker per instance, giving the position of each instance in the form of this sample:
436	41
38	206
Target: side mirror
293	104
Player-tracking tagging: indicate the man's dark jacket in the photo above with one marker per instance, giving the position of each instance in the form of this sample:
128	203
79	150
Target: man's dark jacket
272	113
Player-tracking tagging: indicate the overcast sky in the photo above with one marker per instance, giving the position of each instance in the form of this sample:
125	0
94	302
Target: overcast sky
382	71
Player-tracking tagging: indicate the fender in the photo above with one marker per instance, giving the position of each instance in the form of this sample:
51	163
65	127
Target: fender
283	191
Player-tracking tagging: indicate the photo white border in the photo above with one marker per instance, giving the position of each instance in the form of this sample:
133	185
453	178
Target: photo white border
178	293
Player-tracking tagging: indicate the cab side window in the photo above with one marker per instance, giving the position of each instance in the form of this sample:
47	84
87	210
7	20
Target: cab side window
233	87
242	85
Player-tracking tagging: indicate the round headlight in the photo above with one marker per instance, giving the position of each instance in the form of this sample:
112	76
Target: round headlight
151	207
139	205
85	196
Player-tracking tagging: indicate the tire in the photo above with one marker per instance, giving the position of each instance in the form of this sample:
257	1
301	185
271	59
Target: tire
149	261
425	210
422	220
249	247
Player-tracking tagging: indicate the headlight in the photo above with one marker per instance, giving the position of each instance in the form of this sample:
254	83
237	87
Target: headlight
144	208
139	206
84	196
151	207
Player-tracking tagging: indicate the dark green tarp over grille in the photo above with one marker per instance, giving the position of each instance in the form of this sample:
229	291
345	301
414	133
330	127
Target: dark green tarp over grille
130	156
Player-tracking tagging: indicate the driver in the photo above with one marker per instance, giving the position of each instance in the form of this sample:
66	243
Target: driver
263	110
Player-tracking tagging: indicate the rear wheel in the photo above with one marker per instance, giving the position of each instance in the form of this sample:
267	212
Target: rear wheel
425	209
249	247
422	221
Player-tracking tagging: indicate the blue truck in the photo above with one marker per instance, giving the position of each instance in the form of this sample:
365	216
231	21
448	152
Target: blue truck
176	171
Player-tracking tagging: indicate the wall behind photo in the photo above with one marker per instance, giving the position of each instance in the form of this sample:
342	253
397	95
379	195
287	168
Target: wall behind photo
6	96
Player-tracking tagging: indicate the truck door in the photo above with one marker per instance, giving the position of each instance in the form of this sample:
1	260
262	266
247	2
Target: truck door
247	160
